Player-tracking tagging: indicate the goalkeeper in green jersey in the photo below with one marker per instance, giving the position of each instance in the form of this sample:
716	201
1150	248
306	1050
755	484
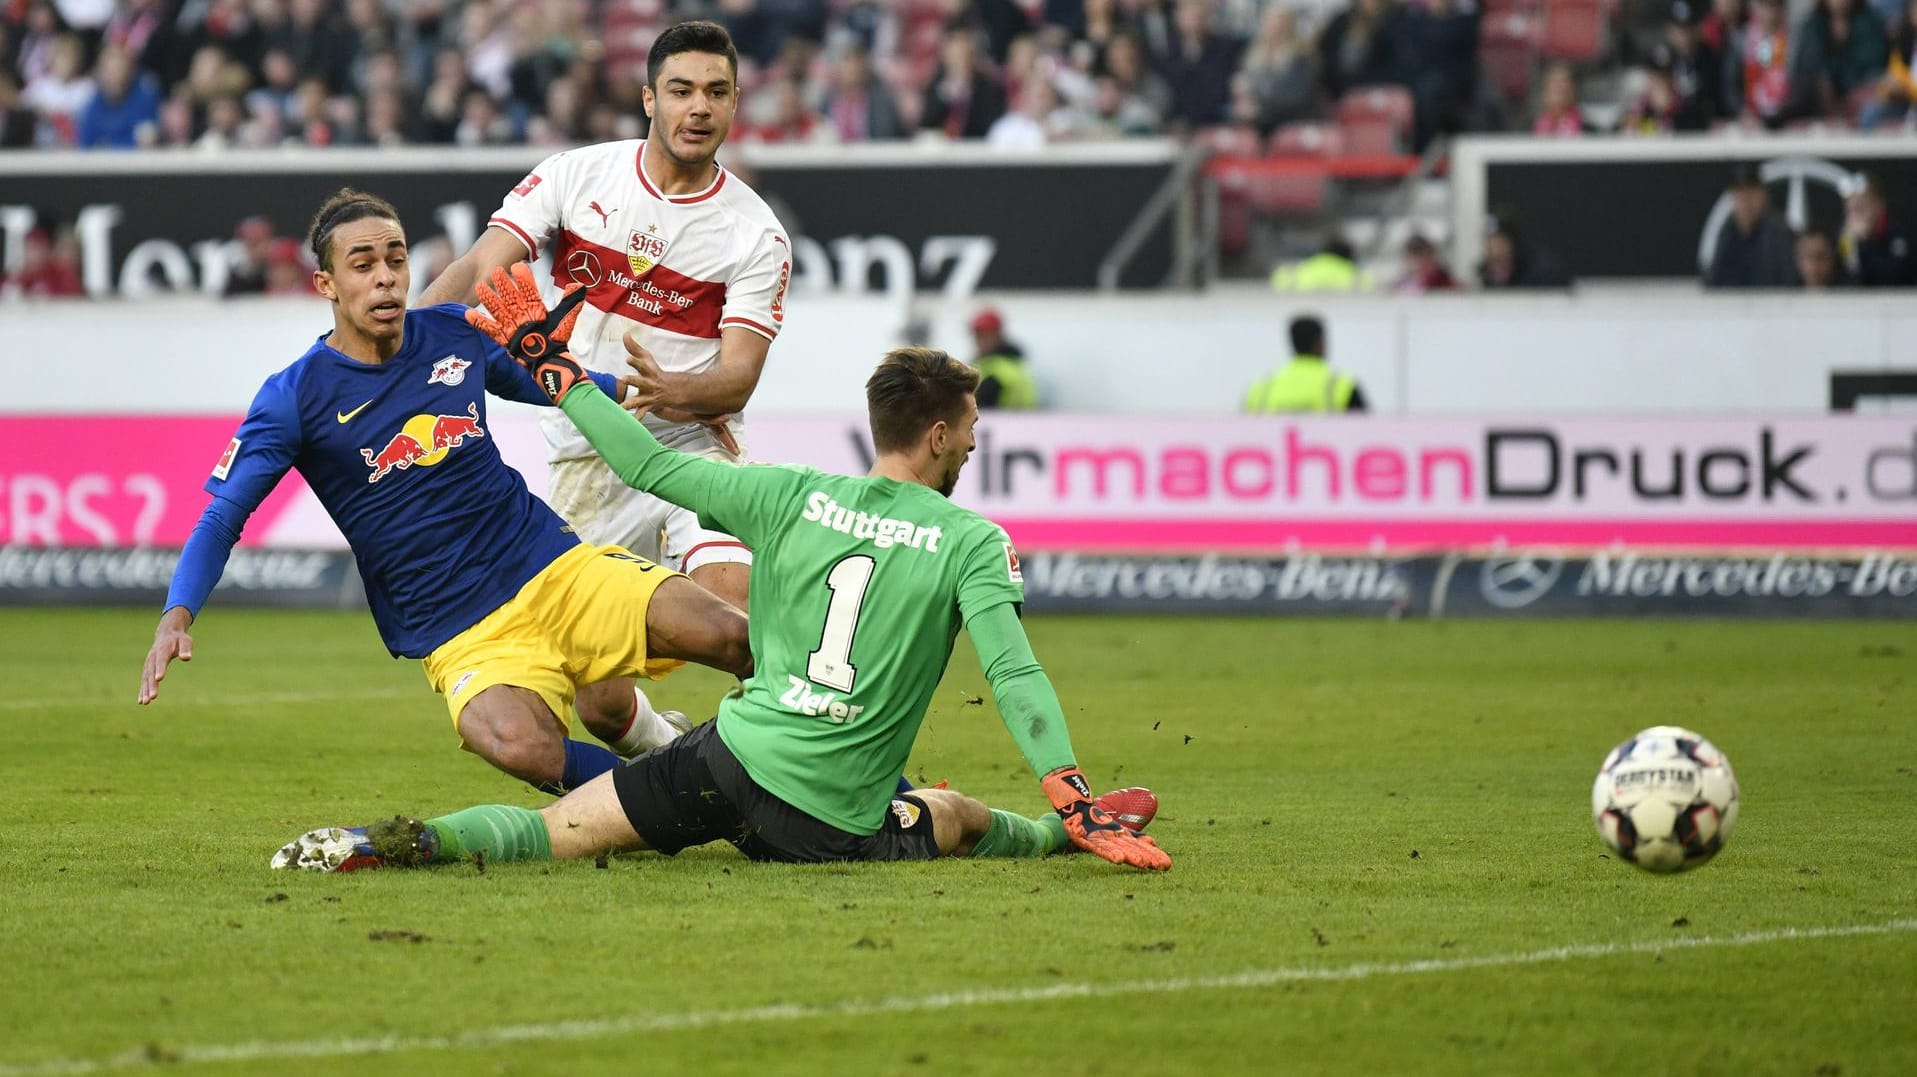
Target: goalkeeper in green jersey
860	586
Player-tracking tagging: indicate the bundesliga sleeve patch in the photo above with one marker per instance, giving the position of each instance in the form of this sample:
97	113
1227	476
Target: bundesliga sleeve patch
526	185
1011	564
232	450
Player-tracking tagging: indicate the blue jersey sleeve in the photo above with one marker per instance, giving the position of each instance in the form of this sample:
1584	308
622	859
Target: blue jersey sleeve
505	378
254	462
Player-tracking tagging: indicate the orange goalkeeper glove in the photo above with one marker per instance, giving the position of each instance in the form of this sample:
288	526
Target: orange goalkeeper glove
1093	829
517	318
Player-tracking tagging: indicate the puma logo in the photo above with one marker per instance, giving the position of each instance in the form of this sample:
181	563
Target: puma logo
605	215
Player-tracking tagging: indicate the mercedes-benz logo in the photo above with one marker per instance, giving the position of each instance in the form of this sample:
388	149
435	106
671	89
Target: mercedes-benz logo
583	267
1514	581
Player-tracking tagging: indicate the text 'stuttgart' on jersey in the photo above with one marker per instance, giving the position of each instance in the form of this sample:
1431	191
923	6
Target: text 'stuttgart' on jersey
398	452
872	579
678	269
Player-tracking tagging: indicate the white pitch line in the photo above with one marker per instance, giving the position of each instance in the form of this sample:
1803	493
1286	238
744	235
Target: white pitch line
238	699
991	996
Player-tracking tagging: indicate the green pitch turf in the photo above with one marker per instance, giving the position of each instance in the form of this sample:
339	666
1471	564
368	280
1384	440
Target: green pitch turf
1385	865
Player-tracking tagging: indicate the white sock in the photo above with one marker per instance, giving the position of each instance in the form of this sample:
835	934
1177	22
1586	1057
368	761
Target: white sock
646	731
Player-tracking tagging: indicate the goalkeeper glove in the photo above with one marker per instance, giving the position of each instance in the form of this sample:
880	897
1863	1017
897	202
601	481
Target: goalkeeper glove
1093	829
517	318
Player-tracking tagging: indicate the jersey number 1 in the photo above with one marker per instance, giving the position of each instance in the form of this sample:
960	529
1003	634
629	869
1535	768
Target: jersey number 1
831	665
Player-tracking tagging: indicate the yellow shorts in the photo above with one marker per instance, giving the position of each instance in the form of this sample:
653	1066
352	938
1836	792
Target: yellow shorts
580	621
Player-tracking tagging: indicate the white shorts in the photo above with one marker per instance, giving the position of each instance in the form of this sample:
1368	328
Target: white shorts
604	511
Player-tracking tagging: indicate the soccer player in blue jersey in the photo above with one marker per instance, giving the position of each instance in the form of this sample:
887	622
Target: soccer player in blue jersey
463	567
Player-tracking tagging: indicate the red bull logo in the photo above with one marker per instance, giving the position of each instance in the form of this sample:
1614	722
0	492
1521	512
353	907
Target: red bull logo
424	440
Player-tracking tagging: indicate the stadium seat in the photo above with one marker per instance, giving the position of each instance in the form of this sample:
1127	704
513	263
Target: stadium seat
1289	194
1573	31
1229	141
1306	140
1375	119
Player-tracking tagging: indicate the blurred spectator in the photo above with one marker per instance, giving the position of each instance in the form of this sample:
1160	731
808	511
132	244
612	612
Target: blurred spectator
33	58
1841	49
288	272
175	124
318	43
246	272
1754	249
1695	66
439	111
1719	26
125	107
1757	86
17	121
963	99
1307	384
1277	83
1816	261
1005	382
1897	88
860	106
279	83
1876	252
1424	270
1510	263
480	121
1143	99
225	125
1038	119
386	121
790	119
760	27
1663	107
1332	269
486	38
48	268
59	94
1434	53
1558	113
562	123
138	28
1355	48
227	25
1198	65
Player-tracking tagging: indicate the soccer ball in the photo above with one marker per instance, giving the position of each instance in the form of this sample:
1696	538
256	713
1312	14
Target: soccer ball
1665	800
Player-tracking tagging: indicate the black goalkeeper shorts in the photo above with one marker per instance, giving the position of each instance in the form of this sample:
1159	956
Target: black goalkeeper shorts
694	790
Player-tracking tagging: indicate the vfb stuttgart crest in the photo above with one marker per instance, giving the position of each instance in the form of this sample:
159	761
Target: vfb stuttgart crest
645	250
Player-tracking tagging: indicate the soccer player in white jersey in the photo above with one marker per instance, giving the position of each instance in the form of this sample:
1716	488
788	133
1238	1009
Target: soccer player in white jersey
679	258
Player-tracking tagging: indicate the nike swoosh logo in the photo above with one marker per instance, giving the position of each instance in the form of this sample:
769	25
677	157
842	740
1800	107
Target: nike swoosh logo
347	416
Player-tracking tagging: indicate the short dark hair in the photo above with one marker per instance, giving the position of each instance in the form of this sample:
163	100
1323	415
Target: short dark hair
698	35
1307	335
346	206
912	389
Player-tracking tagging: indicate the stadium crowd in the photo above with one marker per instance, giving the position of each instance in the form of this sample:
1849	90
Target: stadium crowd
252	73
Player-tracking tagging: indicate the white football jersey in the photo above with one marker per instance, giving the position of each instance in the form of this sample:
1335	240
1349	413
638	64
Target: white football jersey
676	268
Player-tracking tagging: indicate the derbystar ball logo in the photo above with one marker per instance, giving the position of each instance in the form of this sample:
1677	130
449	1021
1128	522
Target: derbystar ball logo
449	371
645	250
424	440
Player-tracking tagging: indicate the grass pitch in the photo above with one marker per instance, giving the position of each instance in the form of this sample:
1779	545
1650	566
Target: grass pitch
1385	864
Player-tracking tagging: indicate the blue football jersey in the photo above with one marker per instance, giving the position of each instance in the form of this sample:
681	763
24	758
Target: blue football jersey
443	530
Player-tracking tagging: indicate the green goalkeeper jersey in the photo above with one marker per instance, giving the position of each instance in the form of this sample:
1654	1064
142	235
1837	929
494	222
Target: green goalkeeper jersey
859	588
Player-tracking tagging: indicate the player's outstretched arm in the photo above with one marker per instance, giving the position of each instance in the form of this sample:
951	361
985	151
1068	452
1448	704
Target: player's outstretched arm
1030	709
495	248
201	562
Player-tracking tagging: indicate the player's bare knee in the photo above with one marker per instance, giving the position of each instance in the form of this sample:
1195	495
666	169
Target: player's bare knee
958	821
730	580
516	734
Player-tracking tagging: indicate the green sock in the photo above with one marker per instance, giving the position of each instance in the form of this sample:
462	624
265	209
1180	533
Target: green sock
497	831
1016	836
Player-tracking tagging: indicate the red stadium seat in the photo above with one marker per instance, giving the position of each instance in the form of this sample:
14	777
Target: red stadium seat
1229	141
1376	119
1573	31
1291	194
1306	140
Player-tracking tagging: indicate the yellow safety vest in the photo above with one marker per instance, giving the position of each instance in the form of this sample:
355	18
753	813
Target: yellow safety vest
1304	384
1016	389
1325	272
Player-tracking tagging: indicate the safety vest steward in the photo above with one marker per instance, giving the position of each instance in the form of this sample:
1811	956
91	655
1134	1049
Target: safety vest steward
1016	389
1306	384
